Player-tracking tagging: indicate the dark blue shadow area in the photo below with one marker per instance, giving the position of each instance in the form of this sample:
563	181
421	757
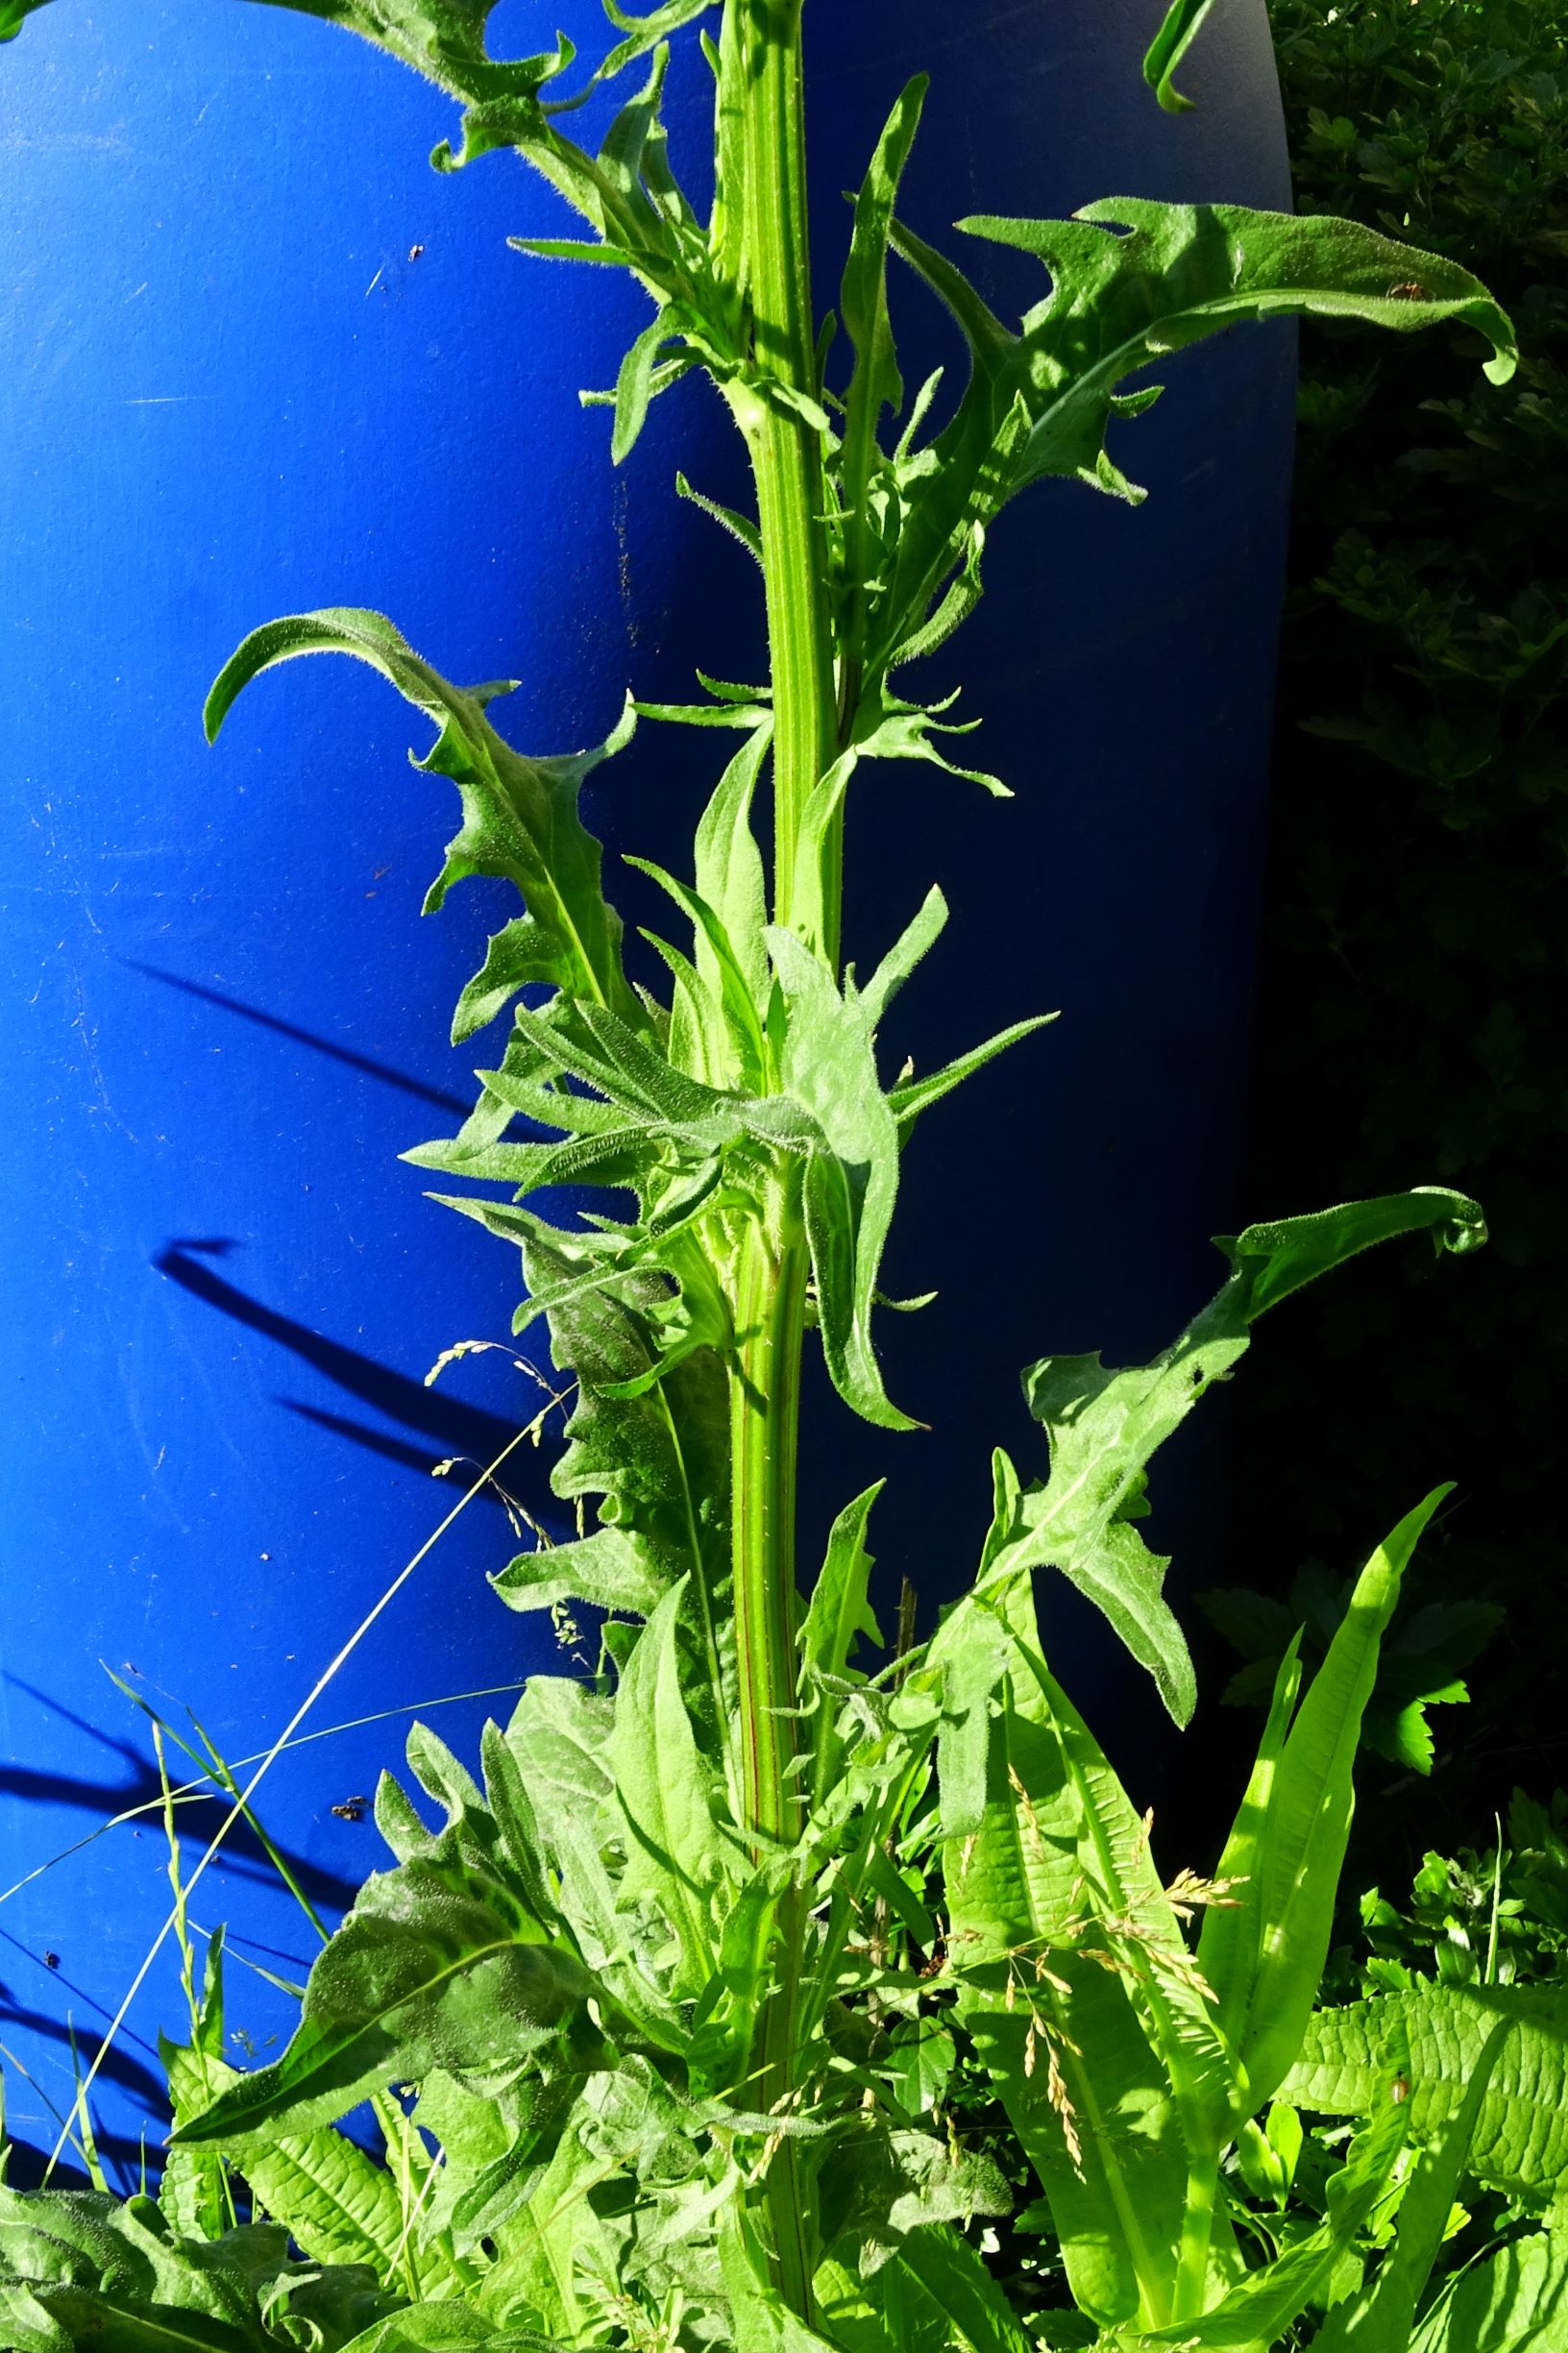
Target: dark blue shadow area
292	1030
460	1428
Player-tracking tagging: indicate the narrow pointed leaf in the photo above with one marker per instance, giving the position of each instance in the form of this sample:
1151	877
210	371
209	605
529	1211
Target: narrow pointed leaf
914	942
1183	23
917	1095
829	1065
839	1615
1265	1957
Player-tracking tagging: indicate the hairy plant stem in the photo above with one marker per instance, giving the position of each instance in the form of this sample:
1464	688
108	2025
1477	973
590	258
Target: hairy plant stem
765	1390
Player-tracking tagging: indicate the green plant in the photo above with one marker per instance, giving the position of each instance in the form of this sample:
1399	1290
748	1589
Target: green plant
1415	965
1478	1944
679	1991
1499	1916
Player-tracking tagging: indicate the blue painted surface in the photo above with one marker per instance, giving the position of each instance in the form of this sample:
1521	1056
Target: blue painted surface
259	358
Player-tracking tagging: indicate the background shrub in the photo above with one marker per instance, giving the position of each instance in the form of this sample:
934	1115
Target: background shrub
1414	1014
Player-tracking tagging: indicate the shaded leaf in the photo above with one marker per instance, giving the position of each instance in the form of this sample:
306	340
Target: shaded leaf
1516	2302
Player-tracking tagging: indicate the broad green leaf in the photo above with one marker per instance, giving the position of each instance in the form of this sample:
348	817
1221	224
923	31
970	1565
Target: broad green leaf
608	1569
1380	2320
559	1736
973	1650
336	2203
494	2154
762	2321
1104	1425
1265	1957
557	2238
1516	2302
1183	23
829	1067
82	2268
954	2276
339	2206
14	14
886	2190
845	2307
1135	280
1520	2145
519	814
731	2003
449	2327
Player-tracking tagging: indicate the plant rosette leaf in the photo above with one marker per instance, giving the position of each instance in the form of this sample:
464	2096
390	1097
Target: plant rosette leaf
443	1963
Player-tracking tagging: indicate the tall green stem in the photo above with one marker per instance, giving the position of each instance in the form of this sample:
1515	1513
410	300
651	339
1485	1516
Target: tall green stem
786	450
762	49
765	1390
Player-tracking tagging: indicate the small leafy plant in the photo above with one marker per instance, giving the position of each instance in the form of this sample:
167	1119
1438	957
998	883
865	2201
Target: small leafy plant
660	2025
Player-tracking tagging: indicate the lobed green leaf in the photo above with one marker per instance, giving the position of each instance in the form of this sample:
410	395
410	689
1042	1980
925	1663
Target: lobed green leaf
519	814
1103	1425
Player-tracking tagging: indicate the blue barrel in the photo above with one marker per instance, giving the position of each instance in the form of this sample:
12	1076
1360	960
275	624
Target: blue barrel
261	359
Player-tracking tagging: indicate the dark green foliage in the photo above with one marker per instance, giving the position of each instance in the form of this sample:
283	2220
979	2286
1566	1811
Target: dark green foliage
1418	932
1496	1916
